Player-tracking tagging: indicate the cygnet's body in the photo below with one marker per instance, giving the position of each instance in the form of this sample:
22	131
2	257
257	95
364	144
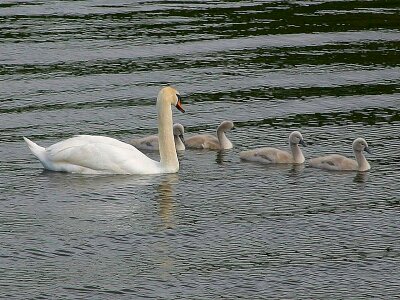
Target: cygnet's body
269	155
336	162
207	141
151	142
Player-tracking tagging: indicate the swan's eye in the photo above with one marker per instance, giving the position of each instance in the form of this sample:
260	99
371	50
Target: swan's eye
179	97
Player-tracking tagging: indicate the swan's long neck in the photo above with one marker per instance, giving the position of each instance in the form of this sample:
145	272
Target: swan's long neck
168	158
224	142
298	156
363	164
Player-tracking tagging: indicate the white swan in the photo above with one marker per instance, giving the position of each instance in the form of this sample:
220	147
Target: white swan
151	142
207	141
338	162
269	155
103	155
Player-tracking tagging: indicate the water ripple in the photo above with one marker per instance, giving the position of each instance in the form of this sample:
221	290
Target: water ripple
220	226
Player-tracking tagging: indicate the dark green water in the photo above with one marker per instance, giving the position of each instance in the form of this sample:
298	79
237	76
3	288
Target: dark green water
220	228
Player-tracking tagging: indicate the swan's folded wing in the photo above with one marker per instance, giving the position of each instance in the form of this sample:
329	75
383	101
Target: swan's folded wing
101	154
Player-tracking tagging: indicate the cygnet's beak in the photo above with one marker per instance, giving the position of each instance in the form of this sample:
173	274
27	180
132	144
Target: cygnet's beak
179	103
303	143
182	138
366	149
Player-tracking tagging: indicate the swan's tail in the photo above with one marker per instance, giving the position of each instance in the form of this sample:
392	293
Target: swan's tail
35	148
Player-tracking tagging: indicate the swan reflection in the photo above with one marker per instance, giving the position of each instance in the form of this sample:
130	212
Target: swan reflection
361	177
220	157
166	199
296	169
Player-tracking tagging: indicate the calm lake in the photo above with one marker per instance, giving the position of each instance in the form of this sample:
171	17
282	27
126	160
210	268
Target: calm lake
220	228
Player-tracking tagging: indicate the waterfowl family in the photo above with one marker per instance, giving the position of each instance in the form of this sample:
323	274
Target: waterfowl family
151	142
269	155
207	141
103	155
88	154
341	163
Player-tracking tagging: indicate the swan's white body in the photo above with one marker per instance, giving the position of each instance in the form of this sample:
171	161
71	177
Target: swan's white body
151	142
268	155
336	162
207	141
88	154
103	155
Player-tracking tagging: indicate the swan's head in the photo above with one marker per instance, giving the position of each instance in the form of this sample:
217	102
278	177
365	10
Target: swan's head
172	96
296	138
179	131
360	145
225	126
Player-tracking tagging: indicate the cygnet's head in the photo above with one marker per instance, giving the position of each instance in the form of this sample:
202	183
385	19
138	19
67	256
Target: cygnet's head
179	131
296	138
172	95
225	126
360	145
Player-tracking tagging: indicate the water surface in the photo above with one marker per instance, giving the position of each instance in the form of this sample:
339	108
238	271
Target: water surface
220	228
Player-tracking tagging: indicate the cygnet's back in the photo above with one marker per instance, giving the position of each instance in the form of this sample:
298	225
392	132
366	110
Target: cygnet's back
207	141
268	155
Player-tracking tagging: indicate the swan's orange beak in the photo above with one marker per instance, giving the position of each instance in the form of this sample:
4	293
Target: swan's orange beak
179	104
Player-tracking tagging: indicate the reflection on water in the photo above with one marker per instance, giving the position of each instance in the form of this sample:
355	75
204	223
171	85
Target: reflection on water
220	155
327	68
80	182
181	156
166	199
296	170
166	208
361	177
